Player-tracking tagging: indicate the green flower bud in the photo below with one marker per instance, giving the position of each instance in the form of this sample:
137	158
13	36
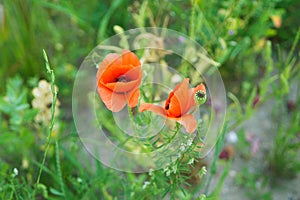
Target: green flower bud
200	97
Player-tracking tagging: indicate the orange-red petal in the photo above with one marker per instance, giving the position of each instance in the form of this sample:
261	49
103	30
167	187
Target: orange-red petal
188	121
201	86
153	108
113	101
135	77
118	102
118	80
178	100
133	98
110	59
178	104
129	58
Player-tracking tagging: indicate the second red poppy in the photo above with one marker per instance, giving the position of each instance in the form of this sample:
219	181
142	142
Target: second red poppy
118	80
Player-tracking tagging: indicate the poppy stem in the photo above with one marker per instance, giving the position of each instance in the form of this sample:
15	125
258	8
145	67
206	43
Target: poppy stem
194	109
131	119
178	126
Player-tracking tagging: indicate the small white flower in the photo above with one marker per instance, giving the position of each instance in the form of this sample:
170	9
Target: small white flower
232	137
182	147
150	172
174	169
145	184
15	172
203	171
191	161
166	168
168	173
79	180
189	142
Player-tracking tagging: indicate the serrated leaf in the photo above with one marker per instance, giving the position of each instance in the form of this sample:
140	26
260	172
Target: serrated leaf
21	98
22	107
4	106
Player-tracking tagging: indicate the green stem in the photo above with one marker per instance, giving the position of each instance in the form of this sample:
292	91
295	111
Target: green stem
58	168
14	191
54	97
178	126
132	119
293	47
192	20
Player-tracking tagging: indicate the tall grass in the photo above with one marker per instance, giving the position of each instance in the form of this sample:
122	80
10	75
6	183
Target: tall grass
54	99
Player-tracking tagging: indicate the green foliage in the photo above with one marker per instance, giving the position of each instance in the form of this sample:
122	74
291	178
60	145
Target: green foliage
254	183
14	104
24	30
16	118
243	146
284	157
258	62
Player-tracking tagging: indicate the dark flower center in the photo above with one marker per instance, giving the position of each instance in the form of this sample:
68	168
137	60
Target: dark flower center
200	94
122	78
167	106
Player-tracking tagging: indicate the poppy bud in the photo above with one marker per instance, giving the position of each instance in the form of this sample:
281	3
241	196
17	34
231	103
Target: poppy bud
227	153
255	101
290	105
200	97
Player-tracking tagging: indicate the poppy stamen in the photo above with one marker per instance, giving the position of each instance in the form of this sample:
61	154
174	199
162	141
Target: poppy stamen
167	107
200	97
200	94
122	78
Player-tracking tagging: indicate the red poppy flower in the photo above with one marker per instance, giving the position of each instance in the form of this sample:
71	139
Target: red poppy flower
118	80
178	105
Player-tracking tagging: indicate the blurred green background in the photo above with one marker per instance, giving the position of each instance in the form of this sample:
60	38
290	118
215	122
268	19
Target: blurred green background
239	34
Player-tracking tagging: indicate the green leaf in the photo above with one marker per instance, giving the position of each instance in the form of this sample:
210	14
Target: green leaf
30	114
105	20
56	192
166	191
249	104
216	193
26	137
7	138
284	84
4	106
236	102
22	107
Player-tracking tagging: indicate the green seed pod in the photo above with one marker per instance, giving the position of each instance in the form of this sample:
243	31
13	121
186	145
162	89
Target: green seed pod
200	97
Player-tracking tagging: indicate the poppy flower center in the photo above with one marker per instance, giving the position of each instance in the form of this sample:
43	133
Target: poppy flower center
122	78
167	106
200	94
